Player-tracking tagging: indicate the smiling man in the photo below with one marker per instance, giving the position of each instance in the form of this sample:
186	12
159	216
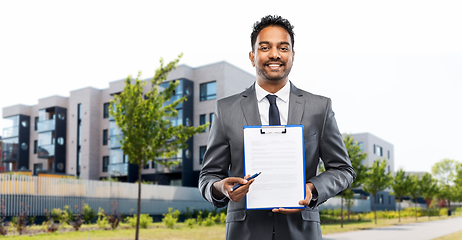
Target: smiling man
273	100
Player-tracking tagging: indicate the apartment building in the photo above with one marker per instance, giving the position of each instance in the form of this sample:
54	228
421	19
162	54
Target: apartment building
75	135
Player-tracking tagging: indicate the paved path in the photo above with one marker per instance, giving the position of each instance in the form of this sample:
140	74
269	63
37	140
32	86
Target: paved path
420	230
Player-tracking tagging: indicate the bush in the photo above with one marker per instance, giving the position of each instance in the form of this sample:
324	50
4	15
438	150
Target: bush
88	214
223	217
170	218
56	214
190	222
210	220
145	220
102	219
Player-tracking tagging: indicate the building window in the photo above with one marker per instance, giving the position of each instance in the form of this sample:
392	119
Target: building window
211	117
105	137
208	91
361	145
202	153
202	120
35	146
106	110
36	120
147	165
378	150
105	163
388	152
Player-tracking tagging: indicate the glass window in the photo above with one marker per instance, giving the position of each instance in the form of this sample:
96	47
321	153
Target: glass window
202	120
378	150
10	149
11	126
106	110
361	145
105	163
208	91
36	120
202	153
211	117
105	137
35	146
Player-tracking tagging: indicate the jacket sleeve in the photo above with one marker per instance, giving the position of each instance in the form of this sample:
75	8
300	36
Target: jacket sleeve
216	162
339	173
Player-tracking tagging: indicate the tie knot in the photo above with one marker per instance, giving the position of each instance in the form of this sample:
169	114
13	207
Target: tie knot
271	99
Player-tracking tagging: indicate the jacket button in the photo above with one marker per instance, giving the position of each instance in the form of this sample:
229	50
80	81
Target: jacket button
270	214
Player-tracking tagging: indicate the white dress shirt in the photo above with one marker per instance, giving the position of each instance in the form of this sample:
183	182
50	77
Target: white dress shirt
282	101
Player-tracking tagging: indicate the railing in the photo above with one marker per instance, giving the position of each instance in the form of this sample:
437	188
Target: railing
44	151
118	169
47	125
10	132
40	193
114	141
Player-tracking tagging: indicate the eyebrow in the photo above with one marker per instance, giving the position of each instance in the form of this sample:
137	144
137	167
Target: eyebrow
280	43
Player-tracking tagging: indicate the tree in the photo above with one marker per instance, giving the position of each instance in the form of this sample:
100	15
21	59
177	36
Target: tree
400	188
356	156
144	121
445	171
414	189
428	189
377	180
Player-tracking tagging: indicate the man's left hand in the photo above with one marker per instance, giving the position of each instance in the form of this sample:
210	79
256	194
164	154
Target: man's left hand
310	187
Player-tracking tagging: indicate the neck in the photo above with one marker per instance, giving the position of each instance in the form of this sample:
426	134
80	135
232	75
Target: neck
272	86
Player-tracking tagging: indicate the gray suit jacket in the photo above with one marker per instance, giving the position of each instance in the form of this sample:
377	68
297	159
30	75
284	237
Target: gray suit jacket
225	153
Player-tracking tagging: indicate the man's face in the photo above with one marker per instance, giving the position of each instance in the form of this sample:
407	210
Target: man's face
273	55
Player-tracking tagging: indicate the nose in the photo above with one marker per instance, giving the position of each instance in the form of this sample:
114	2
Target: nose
274	53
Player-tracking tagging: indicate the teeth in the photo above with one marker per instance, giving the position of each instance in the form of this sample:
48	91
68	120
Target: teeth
274	65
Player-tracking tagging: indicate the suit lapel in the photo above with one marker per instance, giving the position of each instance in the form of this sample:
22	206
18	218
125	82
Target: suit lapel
296	106
249	107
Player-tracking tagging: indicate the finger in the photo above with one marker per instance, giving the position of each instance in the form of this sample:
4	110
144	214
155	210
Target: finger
246	177
235	180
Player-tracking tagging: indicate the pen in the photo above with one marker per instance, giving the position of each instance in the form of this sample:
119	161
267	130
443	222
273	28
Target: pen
248	179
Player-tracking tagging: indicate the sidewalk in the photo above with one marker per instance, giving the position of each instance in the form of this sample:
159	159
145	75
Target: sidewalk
421	231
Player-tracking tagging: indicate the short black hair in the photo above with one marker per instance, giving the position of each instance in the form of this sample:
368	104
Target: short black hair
271	20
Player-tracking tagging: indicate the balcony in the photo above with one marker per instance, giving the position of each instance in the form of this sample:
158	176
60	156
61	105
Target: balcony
46	151
118	169
114	141
160	168
10	156
47	125
11	132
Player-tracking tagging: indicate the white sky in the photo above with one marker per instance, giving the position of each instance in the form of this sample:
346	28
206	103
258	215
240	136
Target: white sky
392	68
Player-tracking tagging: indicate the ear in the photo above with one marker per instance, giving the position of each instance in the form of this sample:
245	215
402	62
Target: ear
252	58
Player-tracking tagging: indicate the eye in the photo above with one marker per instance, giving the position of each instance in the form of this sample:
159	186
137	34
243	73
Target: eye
264	48
284	49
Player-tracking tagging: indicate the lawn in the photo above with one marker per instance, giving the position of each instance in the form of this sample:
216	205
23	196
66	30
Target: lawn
182	232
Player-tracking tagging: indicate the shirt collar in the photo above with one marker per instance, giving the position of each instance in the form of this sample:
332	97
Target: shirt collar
282	94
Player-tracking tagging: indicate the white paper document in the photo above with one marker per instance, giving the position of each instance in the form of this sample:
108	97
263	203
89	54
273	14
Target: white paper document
278	153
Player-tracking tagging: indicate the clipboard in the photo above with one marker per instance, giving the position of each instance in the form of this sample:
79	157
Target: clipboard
278	152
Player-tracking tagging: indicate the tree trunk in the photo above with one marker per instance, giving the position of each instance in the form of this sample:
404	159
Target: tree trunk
139	203
449	208
375	208
415	206
399	210
341	211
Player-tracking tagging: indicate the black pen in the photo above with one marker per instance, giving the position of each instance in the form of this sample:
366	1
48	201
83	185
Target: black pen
248	179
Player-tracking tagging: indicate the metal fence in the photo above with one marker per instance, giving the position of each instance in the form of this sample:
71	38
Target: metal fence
39	193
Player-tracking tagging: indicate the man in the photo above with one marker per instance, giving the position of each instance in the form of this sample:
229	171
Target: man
272	56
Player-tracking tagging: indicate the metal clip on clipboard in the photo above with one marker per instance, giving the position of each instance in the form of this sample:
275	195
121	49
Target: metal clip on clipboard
273	129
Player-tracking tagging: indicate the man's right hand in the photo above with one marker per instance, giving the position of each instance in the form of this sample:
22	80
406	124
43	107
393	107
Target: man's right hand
222	188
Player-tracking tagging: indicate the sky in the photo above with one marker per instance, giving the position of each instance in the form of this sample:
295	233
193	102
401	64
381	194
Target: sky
391	68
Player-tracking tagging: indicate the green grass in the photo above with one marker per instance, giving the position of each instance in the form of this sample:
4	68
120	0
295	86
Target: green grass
215	232
156	231
453	236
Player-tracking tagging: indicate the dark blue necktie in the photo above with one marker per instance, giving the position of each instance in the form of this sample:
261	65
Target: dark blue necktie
273	110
